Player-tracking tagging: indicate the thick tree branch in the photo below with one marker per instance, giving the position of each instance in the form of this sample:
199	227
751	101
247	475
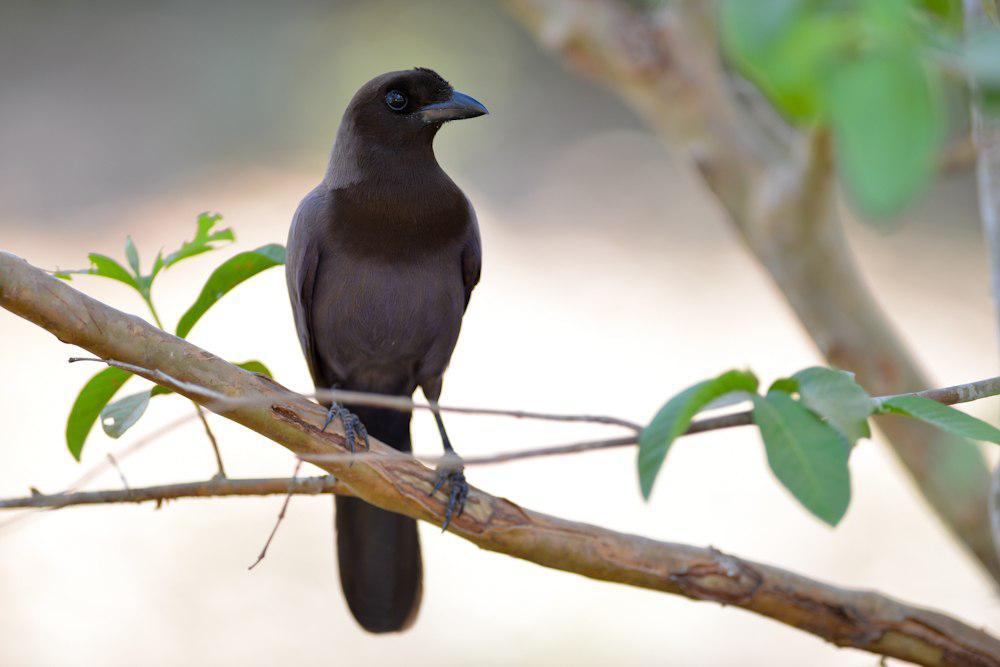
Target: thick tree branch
862	619
777	188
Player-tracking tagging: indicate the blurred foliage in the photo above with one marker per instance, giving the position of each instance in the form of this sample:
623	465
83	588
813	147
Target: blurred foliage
94	400
871	70
808	422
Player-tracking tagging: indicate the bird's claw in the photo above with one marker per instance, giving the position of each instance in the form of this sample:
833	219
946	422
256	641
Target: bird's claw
353	428
451	475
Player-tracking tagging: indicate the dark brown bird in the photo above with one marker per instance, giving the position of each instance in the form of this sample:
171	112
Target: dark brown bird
382	259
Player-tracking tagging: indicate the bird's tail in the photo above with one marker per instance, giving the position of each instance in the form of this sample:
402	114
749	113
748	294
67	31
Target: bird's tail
379	551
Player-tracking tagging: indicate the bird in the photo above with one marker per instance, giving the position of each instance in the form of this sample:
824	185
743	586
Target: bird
382	258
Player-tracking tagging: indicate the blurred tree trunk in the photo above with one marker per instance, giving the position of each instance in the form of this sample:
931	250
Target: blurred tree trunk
986	136
777	187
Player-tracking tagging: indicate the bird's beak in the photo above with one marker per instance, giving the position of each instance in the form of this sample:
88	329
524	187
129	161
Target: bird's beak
456	107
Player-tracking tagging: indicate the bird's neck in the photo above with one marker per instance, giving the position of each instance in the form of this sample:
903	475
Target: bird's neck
362	164
395	200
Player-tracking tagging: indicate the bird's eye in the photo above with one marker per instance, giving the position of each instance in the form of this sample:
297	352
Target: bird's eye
395	100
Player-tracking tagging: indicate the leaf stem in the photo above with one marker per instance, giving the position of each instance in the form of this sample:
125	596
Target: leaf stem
152	309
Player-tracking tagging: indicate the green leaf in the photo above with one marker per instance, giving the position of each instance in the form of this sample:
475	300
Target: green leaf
837	398
943	416
750	28
255	366
204	239
947	12
789	385
887	118
132	255
157	265
786	47
122	415
231	273
807	455
675	417
146	282
102	265
88	405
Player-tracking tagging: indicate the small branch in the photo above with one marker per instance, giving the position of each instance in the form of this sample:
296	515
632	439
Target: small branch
961	393
281	516
402	403
101	466
125	452
121	475
406	404
211	439
162	378
980	17
213	488
986	138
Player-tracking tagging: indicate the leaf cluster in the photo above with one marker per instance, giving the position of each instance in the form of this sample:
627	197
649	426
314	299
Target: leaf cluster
809	424
870	70
94	400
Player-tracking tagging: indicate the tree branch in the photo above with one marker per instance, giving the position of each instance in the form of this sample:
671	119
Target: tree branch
211	438
222	486
959	393
213	488
401	403
777	188
986	139
862	619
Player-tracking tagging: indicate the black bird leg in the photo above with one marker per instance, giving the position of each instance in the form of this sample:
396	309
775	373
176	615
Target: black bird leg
450	472
352	425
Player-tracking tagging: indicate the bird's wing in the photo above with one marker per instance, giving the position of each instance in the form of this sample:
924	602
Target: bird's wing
472	258
301	269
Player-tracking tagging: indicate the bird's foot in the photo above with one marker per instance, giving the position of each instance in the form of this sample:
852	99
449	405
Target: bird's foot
450	475
353	428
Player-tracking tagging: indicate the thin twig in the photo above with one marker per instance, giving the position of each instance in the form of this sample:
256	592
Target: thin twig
401	403
213	488
405	404
961	393
281	515
121	475
211	439
160	377
126	452
101	466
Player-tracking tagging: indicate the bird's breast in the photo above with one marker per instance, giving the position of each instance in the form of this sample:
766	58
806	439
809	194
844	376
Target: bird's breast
393	312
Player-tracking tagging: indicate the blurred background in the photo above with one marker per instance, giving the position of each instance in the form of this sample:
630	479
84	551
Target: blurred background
610	282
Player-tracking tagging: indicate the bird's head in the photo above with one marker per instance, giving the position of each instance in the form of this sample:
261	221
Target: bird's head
396	108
